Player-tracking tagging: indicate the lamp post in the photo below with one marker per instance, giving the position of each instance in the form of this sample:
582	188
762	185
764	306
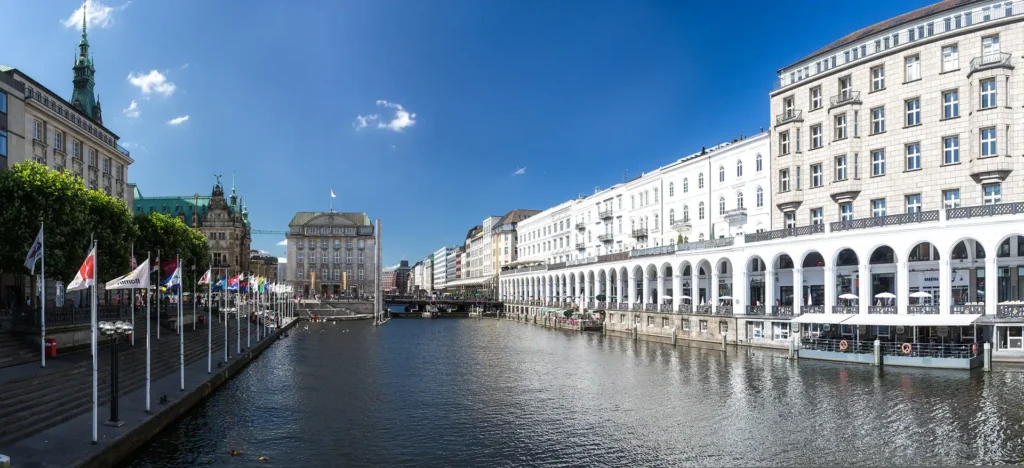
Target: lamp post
114	331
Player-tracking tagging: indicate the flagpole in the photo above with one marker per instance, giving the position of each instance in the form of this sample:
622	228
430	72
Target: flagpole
95	358
224	291
42	316
148	266
149	301
181	327
194	296
157	290
209	321
238	314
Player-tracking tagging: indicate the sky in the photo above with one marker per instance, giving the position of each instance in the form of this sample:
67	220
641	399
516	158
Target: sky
429	115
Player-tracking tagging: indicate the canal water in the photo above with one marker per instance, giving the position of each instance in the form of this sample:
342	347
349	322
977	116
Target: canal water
483	392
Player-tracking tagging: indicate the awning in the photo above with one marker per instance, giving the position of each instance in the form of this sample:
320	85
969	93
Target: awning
469	282
918	320
821	318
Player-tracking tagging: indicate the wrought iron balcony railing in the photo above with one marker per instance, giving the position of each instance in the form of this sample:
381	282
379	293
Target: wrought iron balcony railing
964	212
791	115
784	233
847	97
890	220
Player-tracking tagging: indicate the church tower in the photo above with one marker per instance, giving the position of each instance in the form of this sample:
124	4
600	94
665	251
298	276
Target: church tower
83	97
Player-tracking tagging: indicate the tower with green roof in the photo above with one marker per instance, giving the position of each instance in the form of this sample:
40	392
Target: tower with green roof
83	97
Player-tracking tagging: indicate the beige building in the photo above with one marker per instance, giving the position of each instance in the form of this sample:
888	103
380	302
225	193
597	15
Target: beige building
263	264
69	135
503	237
331	253
913	114
12	120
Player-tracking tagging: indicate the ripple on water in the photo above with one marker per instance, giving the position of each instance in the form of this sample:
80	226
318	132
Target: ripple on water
484	392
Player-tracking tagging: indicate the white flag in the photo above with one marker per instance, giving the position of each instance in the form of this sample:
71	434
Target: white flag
34	252
137	279
332	193
206	277
86	274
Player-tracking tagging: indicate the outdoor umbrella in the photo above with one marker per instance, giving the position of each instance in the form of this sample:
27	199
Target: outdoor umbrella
885	295
848	296
920	294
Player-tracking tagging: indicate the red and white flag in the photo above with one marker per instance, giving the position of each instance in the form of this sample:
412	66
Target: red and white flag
206	277
86	274
35	252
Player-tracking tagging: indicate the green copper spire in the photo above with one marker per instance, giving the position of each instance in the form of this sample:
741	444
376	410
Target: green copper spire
83	97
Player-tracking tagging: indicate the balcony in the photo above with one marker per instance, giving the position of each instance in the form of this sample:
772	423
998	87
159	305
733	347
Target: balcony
890	220
784	233
705	244
703	309
990	61
640	233
884	310
843	191
581	246
736	216
581	226
812	309
782	311
840	309
685	309
605	214
967	309
664	307
606	238
928	309
788	116
1012	310
990	169
755	310
844	98
682	226
658	250
636	307
723	310
965	212
789	200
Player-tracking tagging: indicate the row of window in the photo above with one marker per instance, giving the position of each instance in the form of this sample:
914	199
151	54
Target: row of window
991	195
299	257
324	244
324	273
58	140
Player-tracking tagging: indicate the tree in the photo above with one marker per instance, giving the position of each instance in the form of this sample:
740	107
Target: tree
679	238
170	236
112	225
33	194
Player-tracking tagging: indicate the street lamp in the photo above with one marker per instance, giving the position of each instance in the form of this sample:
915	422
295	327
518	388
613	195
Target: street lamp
114	331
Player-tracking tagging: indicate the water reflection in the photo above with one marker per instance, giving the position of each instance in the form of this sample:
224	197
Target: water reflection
485	392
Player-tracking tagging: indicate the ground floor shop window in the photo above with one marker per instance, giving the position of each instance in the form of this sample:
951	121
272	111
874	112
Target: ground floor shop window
723	327
756	329
781	330
814	330
650	321
1011	338
882	331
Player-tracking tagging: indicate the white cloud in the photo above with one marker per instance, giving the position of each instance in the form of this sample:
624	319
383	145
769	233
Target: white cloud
100	15
284	242
184	66
133	110
402	120
178	120
362	121
520	171
152	82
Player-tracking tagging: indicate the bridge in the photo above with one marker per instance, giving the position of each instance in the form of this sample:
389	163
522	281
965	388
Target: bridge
414	305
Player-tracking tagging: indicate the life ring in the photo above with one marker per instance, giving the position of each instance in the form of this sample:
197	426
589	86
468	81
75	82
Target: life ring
974	348
843	345
906	348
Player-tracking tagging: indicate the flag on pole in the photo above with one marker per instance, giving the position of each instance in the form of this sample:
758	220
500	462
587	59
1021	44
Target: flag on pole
218	286
35	252
168	267
137	279
233	283
206	277
86	273
174	280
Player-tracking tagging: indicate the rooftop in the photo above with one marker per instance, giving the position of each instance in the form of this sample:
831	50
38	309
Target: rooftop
303	217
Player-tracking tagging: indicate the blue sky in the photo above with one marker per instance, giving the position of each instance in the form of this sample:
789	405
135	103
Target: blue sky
465	93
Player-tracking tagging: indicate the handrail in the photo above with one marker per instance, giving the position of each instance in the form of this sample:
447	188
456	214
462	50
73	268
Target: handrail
888	220
844	98
791	115
991	60
965	212
784	233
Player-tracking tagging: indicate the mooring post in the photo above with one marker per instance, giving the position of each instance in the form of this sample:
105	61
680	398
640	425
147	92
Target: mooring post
792	348
674	337
987	366
878	353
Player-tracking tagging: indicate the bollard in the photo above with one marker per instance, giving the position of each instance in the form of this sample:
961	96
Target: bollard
604	327
792	348
878	353
987	366
674	337
723	342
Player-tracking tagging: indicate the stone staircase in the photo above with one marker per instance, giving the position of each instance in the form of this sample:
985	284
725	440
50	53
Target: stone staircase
15	351
50	397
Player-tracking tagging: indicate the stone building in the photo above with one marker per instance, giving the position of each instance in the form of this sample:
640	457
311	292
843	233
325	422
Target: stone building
331	253
224	222
264	264
396	278
66	135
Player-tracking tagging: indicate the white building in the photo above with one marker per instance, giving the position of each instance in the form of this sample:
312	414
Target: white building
898	209
444	258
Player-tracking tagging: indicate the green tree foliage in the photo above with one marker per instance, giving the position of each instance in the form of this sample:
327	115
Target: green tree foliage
114	229
33	194
172	237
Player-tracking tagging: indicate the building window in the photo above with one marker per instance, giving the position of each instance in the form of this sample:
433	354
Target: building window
950	58
988	142
840	128
913	156
3	143
721	205
790	219
992	194
990	46
739	200
913	111
816	175
878	208
951	150
784	142
878	78
784	180
788	108
758	162
951	198
760	197
671	190
58	140
700	181
846	211
840	168
988	93
914	203
37	130
950	104
913	64
817	216
739	168
700	211
877	120
816	136
686	213
877	163
672	216
816	97
721	173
